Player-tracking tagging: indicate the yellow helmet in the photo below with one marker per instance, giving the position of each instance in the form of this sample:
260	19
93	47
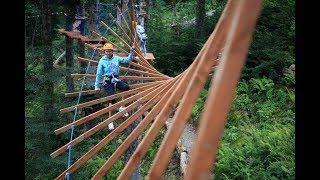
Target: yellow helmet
107	46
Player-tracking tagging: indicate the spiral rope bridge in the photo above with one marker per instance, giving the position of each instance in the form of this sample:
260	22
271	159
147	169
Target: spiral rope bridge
159	95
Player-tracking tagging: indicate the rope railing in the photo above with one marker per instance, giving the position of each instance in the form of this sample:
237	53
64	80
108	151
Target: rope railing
74	118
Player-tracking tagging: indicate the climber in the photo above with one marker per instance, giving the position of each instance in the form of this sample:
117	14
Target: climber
143	38
108	68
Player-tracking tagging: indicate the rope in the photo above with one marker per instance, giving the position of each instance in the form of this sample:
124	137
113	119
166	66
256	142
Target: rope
75	115
42	15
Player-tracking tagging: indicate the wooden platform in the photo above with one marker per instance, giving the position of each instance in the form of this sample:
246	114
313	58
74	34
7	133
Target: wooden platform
149	56
78	36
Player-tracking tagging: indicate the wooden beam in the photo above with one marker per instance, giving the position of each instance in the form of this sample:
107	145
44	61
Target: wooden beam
90	92
142	72
146	69
136	132
117	47
222	93
92	76
160	119
143	78
132	86
142	59
104	123
104	110
125	22
83	93
95	63
108	98
81	161
115	34
121	29
196	84
92	62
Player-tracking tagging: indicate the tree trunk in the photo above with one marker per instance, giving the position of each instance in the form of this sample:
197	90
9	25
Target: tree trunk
200	16
71	11
81	51
47	62
91	17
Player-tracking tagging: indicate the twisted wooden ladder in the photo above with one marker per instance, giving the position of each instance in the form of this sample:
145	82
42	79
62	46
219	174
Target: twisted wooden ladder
232	37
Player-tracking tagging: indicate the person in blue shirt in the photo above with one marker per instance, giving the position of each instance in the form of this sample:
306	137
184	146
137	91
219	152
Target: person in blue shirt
109	67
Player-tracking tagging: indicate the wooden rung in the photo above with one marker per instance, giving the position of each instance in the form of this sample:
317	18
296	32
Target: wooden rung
149	57
93	76
83	39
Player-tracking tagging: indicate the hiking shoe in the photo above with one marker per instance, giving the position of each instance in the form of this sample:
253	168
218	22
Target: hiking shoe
111	126
121	108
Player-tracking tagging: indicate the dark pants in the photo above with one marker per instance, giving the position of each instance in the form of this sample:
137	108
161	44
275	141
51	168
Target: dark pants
110	88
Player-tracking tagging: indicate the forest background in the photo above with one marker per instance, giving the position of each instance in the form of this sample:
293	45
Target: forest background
259	138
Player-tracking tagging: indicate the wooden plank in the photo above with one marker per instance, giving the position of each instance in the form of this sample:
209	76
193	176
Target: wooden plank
125	21
160	120
121	29
104	123
95	63
108	98
90	92
136	132
104	110
142	84
142	72
149	56
77	35
92	62
196	84
138	53
93	76
146	69
106	40
222	93
81	161
83	93
142	78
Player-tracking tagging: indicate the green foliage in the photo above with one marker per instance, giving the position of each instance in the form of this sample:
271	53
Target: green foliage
259	138
258	142
250	152
272	48
173	43
198	107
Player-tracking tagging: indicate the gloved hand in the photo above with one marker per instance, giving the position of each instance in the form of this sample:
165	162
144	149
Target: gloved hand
131	49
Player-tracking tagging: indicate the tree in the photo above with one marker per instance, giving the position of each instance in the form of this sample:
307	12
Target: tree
70	7
47	60
200	17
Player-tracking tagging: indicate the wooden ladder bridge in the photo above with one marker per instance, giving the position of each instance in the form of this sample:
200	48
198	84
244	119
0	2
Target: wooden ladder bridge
159	95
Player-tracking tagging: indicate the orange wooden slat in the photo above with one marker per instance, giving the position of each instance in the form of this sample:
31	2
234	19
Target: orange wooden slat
105	110
83	93
93	76
121	29
221	94
160	120
135	133
114	133
116	46
106	122
107	98
196	84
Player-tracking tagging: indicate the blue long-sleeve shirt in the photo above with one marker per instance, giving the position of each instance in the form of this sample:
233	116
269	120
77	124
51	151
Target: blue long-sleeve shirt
107	67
